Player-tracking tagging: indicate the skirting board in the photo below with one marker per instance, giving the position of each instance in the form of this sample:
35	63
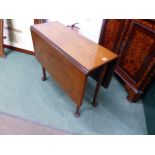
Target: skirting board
19	49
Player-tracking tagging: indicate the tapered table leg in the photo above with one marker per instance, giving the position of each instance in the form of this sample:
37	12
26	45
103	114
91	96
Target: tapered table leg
44	74
99	82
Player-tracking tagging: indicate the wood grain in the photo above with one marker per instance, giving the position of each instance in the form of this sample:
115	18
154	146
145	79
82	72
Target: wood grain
71	79
135	45
69	58
79	49
111	33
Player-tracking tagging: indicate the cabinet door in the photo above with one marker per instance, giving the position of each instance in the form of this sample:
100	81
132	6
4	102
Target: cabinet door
136	62
112	32
138	51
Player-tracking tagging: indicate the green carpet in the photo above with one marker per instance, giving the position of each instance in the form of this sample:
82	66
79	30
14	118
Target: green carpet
149	108
23	94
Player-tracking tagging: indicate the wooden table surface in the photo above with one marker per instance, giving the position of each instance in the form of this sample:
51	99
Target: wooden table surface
80	50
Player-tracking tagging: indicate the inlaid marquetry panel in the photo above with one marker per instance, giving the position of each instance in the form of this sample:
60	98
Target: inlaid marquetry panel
111	33
134	41
138	52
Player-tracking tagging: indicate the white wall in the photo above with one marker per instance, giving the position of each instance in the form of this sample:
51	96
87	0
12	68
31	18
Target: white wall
19	33
89	28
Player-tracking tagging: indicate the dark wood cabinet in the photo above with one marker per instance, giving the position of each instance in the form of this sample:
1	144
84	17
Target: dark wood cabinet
134	41
111	34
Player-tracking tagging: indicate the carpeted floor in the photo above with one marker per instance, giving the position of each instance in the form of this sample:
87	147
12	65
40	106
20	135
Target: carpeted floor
11	125
23	94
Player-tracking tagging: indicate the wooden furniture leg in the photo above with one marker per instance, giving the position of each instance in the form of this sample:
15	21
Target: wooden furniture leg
44	74
77	112
99	82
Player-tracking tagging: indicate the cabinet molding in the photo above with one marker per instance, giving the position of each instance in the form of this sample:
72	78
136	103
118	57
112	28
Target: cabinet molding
136	49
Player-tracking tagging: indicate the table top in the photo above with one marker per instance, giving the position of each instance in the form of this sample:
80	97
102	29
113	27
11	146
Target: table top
78	48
